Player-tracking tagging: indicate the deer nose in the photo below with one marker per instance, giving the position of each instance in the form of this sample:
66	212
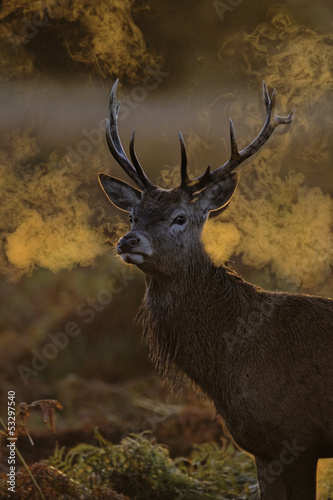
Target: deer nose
127	243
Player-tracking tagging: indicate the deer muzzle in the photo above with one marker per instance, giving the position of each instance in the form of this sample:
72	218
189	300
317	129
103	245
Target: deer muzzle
134	248
127	244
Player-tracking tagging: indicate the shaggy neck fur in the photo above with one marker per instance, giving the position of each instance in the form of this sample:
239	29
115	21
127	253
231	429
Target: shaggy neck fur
190	320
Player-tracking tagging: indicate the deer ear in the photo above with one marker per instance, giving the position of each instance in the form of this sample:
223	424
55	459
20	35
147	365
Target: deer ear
119	192
218	194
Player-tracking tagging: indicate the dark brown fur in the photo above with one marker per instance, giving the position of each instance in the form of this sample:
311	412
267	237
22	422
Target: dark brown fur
265	359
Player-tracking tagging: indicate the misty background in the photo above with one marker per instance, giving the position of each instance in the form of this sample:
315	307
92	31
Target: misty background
185	66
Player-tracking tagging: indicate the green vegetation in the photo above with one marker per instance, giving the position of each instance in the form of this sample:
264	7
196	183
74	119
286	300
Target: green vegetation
140	468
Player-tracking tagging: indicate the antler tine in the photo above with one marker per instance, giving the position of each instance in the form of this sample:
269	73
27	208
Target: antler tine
237	157
233	142
183	166
186	182
136	172
139	170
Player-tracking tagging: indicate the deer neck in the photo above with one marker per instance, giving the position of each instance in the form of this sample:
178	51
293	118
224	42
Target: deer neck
184	316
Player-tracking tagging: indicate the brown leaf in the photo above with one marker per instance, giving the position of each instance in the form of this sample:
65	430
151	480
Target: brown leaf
48	407
21	419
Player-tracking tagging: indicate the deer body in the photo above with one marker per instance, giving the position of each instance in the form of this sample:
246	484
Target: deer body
263	358
257	372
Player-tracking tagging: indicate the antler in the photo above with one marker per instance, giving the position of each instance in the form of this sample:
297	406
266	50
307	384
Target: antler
236	157
134	171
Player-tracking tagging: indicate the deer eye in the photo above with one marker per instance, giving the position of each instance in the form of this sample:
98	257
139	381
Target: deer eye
180	220
130	218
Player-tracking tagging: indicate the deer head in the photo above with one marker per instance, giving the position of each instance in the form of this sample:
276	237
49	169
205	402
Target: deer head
166	224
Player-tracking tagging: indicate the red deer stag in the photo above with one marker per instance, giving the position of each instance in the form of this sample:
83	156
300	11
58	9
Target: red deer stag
264	358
